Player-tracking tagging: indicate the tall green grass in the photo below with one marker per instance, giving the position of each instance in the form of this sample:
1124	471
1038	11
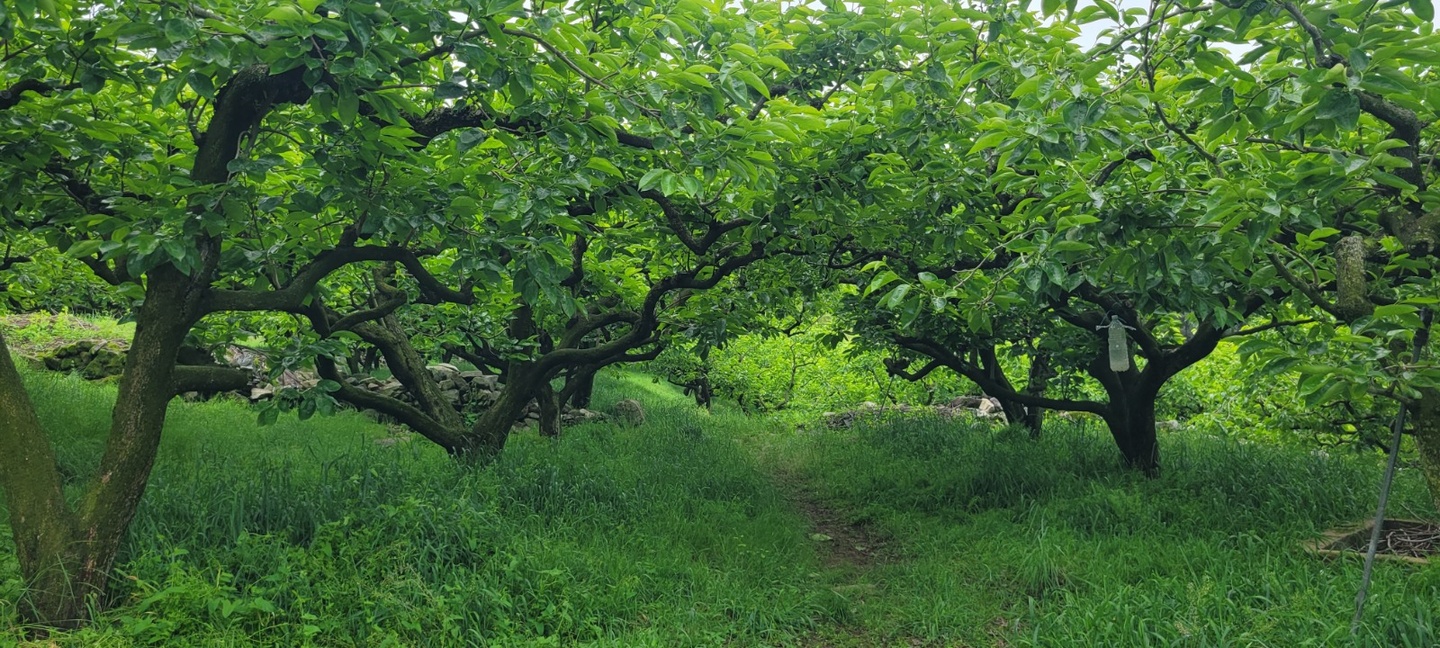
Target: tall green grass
673	534
312	534
1050	543
37	333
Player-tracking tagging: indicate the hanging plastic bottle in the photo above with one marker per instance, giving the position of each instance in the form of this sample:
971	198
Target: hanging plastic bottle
1119	346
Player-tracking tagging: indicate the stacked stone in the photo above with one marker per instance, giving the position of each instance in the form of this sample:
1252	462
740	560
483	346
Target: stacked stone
94	360
469	391
964	406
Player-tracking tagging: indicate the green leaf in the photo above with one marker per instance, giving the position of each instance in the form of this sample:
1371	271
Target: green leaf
880	281
287	15
753	80
166	91
602	164
1322	396
1392	180
897	296
468	138
988	140
1027	87
652	179
348	106
1391	310
1071	246
1191	84
1340	105
307	408
1424	9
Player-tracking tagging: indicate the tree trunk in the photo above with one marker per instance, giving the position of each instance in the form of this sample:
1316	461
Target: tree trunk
1133	428
1039	379
488	436
1426	419
409	367
1130	415
43	526
549	403
65	556
704	393
580	388
112	497
1015	412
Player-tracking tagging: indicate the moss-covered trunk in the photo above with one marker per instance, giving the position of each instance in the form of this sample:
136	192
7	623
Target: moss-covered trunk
65	555
549	403
43	526
1426	420
491	431
145	389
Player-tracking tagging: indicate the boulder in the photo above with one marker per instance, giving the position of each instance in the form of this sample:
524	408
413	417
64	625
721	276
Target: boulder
629	412
486	381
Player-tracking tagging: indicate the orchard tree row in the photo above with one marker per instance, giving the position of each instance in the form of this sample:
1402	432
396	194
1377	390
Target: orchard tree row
547	189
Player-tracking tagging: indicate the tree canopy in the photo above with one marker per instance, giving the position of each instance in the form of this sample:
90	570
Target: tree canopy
545	189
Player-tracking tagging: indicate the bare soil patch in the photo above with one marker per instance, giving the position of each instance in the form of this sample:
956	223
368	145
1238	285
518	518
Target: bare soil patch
841	541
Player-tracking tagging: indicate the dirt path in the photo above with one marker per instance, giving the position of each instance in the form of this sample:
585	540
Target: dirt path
841	543
849	552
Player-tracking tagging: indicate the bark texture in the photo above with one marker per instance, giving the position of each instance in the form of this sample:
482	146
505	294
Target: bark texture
1426	420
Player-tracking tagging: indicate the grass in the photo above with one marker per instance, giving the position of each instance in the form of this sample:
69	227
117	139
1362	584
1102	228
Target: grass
312	534
1011	542
676	534
36	334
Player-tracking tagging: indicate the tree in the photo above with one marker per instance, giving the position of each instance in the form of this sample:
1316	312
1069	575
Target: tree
1326	129
1039	183
211	159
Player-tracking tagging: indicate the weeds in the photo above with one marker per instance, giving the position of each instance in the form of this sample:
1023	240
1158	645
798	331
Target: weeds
672	534
312	534
1051	543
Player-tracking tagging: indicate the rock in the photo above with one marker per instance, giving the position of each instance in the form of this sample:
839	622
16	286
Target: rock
970	402
243	358
629	412
580	416
988	407
1168	425
94	360
258	393
949	413
444	371
104	364
869	405
841	420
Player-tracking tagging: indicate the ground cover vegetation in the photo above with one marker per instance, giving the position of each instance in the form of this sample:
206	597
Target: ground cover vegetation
1216	214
